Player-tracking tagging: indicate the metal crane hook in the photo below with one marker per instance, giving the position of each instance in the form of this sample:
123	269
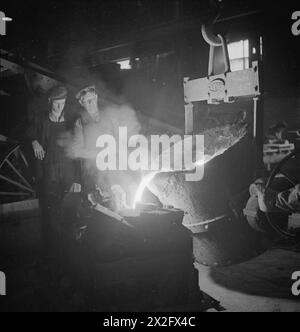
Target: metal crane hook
209	36
215	41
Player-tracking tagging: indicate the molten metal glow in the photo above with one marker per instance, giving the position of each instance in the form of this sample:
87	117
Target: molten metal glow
143	185
148	178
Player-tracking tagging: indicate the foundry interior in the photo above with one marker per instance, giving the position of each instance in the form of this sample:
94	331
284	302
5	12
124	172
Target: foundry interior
74	237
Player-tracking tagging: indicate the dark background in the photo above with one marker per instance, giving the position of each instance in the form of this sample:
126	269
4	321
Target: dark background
75	37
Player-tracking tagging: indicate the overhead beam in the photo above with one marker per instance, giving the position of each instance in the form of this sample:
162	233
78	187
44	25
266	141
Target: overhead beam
153	32
13	61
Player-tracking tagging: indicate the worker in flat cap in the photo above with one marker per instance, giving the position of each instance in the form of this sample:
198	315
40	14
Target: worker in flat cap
101	115
56	172
91	123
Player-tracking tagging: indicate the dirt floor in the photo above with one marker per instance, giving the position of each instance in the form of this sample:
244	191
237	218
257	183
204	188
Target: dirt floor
262	284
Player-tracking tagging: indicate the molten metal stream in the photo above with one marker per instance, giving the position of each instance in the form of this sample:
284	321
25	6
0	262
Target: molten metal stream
143	185
149	177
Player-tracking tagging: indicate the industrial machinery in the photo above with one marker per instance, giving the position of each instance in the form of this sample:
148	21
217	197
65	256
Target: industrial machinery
215	204
146	262
142	263
226	87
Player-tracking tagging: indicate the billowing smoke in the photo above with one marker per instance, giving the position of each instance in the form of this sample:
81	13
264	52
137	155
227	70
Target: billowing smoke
113	115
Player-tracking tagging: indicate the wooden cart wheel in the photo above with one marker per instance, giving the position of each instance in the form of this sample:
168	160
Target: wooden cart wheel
16	184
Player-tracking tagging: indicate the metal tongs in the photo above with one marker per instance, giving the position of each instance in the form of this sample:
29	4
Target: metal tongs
98	195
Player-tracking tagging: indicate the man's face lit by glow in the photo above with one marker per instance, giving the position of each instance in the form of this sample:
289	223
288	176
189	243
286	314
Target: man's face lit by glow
90	102
58	105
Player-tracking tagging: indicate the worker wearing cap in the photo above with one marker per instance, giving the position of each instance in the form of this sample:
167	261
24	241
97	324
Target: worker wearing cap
100	117
55	171
92	122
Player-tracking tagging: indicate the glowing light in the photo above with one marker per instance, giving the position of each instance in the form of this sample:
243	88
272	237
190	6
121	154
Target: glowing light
143	185
200	163
147	179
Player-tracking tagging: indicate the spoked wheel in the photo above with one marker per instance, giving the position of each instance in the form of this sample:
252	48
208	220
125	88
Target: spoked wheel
282	172
15	181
